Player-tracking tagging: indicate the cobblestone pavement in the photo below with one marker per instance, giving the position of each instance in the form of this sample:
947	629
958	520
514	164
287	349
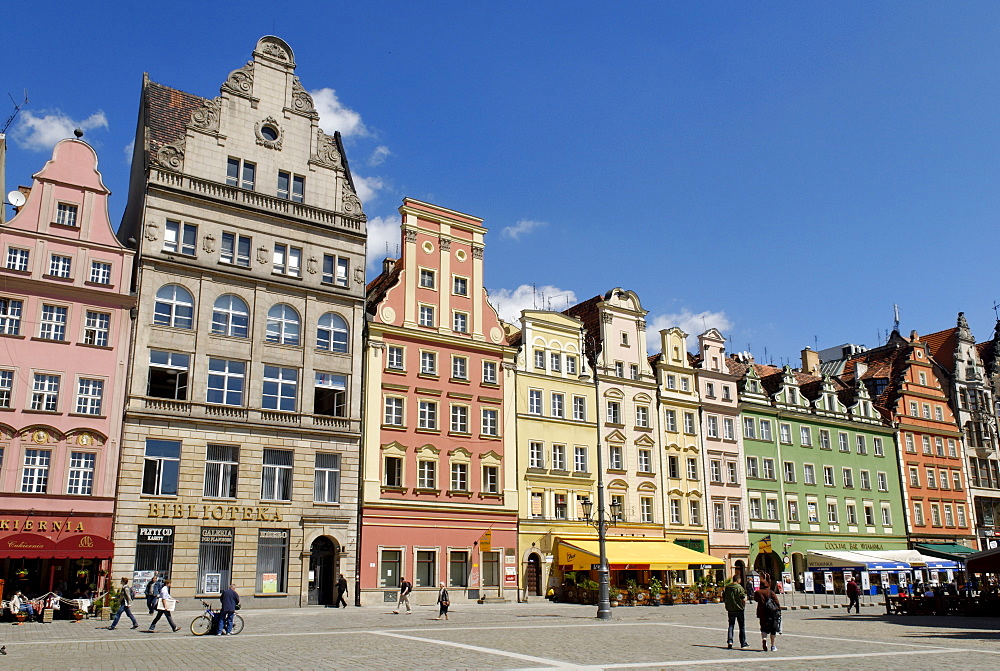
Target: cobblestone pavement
536	636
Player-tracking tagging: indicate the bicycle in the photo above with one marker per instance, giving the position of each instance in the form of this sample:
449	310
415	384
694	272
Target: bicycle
208	622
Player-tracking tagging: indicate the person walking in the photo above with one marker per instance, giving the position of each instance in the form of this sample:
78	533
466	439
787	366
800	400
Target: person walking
125	597
341	591
769	614
853	596
735	598
443	601
230	602
164	606
405	587
153	588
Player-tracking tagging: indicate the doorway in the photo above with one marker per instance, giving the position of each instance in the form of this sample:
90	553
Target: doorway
533	577
324	567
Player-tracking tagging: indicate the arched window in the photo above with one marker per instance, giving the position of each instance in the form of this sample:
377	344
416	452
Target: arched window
283	325
230	316
174	307
331	333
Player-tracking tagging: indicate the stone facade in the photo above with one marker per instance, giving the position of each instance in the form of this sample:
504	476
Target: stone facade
243	421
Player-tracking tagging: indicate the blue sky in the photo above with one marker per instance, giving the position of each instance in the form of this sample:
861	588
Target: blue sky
786	171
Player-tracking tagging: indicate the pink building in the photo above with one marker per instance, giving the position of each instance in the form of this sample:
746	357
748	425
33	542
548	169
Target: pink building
64	334
440	490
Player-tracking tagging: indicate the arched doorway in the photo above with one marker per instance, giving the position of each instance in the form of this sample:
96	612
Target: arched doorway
533	576
324	566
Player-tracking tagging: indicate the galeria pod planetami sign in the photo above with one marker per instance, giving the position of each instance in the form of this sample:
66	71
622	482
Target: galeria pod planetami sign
204	511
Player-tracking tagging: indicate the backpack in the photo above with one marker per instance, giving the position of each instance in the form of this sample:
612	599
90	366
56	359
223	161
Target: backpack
772	606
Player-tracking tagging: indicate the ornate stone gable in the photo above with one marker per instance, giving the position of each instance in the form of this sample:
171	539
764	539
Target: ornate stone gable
206	118
240	81
302	102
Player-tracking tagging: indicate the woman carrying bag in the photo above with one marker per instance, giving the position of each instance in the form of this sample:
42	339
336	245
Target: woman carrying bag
164	605
443	602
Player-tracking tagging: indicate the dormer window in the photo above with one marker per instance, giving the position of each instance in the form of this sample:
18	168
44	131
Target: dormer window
66	214
793	396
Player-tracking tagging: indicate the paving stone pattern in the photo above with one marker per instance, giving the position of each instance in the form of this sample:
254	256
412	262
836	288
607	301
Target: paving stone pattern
537	635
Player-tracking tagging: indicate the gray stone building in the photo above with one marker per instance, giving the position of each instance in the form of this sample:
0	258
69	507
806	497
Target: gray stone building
240	450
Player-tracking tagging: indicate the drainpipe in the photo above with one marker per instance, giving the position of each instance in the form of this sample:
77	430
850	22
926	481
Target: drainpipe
361	451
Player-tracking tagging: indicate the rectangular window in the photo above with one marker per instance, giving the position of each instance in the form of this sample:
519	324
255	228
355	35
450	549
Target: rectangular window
862	446
558	405
559	457
580	408
927	411
645	461
17	259
956	480
866	482
226	380
828	476
6	389
619	369
715	469
222	465
215	559
694	511
459	368
276	476
393	411
100	272
235	250
914	477
60	266
673	467
426	573
426	474
756	511
393	472
168	375
943	475
35	476
789	471
460	322
53	323
536	455
272	561
951	448
852	514
793	511
962	522
154	551
180	238
926	444
812	512
580	459
689	423
734	475
97	328
390	568
426	278
161	467
615	458
749	428
692	468
879	452
287	260
809	474
427	415
460	286
936	514
785	433
535	401
949	519
540	359
728	428
646	509
614	412
848	477
768	469
886	517
291	187
918	514
460	477
752	471
459	419
710	390
939	446
641	416
910	447
490	427
845	445
45	393
326	478
426	315
330	395
560	506
765	430
805	436
555	362
712	426
570	365
719	515
394	357
824	439
458	568
831	513
428	363
489	372
735	517
883	481
869	515
670	418
671	382
89	396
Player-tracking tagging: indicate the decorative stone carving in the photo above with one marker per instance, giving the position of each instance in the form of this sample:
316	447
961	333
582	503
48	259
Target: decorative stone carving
411	235
302	102
312	265
496	335
508	366
326	150
359	275
274	50
206	117
262	254
208	243
445	244
151	229
171	156
477	252
269	122
640	324
240	81
377	345
607	317
352	204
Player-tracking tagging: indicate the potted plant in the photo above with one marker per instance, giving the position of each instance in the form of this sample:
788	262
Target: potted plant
82	574
21	573
674	595
655	586
79	614
632	587
615	595
21	616
102	572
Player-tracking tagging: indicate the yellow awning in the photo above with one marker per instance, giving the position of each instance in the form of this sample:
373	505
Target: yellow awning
656	554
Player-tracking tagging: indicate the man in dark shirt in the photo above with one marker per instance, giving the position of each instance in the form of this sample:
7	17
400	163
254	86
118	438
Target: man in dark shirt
405	587
853	596
230	600
341	591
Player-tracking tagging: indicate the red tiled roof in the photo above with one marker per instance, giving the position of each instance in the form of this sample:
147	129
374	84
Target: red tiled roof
378	287
942	346
887	362
588	312
168	112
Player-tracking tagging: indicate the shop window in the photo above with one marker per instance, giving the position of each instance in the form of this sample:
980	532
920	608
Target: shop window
426	573
272	561
154	552
458	568
215	559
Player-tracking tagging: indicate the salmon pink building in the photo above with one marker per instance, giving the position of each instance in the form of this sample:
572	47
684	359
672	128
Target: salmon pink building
439	491
64	334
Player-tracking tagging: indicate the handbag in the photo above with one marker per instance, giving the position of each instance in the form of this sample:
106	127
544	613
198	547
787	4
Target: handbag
446	603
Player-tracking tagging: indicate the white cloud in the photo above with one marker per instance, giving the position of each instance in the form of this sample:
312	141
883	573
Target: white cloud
379	155
333	116
383	234
42	132
522	227
510	302
692	323
368	187
128	151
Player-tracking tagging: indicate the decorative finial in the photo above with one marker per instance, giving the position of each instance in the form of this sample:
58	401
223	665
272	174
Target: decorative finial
78	133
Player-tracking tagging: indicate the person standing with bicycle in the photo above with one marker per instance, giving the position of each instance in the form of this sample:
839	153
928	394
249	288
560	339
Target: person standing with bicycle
230	602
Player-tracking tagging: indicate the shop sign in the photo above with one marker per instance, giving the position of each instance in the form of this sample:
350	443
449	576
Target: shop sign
810	581
828	580
841	545
865	581
39	526
156	534
192	511
215	536
269	583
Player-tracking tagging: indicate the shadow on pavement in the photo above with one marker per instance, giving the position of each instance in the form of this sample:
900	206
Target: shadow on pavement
988	624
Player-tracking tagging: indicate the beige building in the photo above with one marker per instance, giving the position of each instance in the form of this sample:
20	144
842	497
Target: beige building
242	426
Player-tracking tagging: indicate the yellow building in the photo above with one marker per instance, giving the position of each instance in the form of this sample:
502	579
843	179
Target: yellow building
556	434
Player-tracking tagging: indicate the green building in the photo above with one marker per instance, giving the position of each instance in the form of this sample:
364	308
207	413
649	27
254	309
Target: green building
822	473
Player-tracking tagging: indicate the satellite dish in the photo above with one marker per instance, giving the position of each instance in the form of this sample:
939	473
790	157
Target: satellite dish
16	198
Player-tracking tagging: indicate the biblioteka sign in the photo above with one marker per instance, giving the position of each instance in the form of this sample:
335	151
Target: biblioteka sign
191	511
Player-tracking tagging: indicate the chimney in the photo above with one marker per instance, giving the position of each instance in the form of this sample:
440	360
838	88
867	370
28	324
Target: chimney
388	264
810	362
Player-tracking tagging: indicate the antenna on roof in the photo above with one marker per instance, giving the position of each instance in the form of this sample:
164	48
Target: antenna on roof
534	297
996	310
17	108
895	313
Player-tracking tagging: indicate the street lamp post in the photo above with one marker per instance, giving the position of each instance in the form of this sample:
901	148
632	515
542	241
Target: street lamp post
601	523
